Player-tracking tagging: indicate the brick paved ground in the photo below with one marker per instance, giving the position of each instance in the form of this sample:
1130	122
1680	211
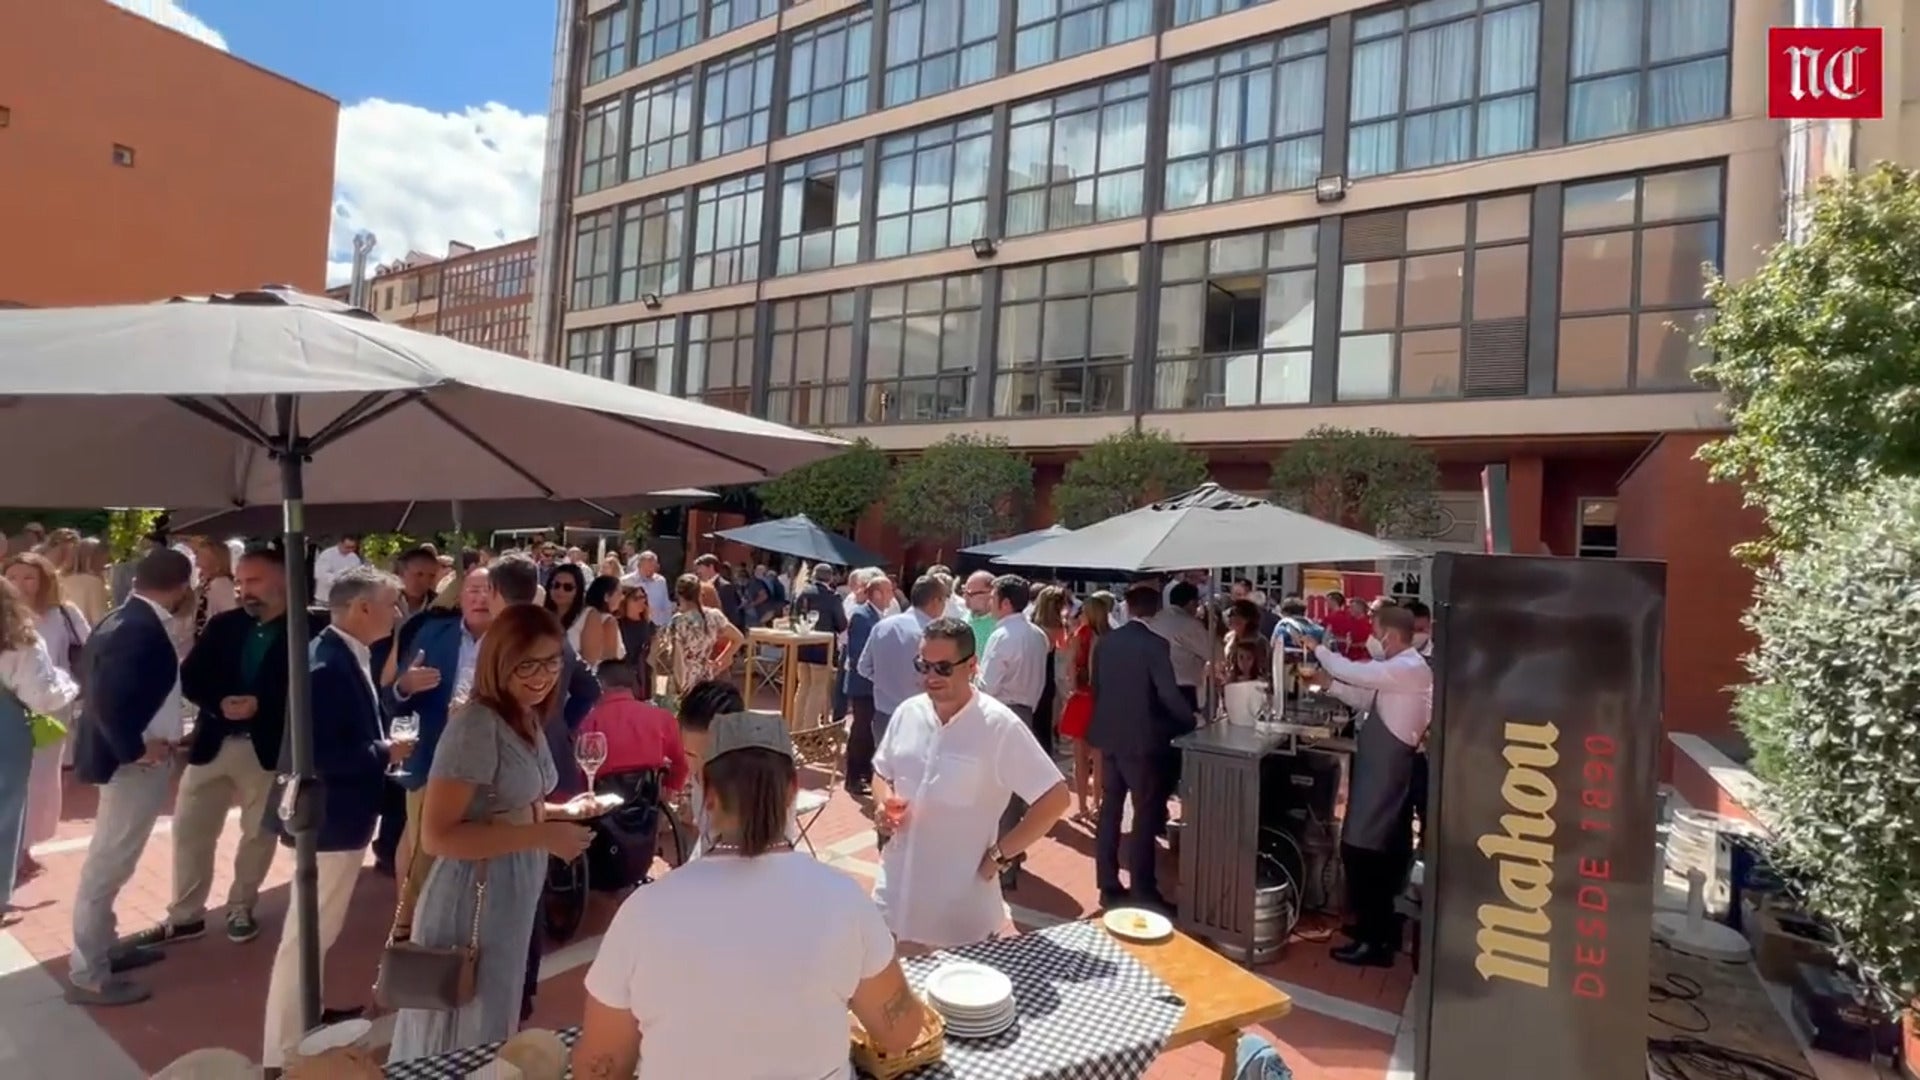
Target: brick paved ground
209	992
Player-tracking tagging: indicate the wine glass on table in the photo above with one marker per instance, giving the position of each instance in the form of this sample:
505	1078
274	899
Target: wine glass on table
404	731
590	750
809	620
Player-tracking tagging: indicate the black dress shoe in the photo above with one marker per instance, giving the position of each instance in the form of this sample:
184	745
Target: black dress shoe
133	958
1114	898
1351	931
335	1016
1365	954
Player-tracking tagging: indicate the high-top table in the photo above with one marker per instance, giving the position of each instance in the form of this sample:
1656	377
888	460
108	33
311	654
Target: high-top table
789	642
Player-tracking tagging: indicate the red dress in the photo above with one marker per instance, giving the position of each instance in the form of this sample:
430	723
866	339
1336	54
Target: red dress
1078	711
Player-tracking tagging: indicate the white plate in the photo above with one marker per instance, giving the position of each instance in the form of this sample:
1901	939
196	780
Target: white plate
980	1030
333	1037
975	1016
1137	924
969	989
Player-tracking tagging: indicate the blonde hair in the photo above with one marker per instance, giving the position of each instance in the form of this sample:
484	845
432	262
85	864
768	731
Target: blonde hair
1097	612
50	596
213	558
92	557
60	547
1050	609
19	629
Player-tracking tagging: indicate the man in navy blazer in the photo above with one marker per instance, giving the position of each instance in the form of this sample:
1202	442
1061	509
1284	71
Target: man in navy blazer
127	738
351	755
872	599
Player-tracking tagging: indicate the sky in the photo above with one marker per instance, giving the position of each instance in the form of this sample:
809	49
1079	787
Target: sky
442	107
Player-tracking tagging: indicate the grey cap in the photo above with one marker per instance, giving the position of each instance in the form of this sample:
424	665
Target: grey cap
748	731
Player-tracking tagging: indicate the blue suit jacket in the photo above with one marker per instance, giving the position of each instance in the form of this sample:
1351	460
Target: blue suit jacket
1137	707
349	748
859	628
129	669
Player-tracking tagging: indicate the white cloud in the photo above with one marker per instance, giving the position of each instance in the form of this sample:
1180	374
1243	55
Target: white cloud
174	15
415	178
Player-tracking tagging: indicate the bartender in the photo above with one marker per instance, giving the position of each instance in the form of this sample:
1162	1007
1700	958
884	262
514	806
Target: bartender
1394	696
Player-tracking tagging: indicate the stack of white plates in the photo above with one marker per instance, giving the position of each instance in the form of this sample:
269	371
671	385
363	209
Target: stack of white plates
975	1000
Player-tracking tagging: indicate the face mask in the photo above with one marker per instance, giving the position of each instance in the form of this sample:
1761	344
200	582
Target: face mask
1420	641
1375	649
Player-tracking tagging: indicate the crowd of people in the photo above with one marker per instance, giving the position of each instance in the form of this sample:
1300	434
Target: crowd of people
448	694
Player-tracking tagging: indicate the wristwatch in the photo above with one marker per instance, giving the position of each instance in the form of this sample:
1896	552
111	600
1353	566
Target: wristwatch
999	859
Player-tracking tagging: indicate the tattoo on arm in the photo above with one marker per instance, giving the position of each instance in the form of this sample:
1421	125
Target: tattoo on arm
602	1067
898	1007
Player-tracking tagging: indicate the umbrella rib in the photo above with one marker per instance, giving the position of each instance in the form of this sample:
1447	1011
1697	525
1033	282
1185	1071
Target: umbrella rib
474	438
360	415
230	419
684	441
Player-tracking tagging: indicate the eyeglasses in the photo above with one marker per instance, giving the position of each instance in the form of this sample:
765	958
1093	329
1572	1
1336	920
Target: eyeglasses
942	668
560	586
534	665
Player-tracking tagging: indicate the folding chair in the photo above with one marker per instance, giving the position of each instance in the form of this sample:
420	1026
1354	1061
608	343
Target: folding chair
824	750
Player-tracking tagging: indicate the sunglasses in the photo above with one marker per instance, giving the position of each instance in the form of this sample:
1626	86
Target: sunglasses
942	668
560	586
528	668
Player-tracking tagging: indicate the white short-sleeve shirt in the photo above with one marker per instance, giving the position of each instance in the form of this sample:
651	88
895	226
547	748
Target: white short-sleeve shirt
762	992
956	778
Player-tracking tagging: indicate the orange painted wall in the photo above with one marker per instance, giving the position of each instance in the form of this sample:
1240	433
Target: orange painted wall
1671	512
232	181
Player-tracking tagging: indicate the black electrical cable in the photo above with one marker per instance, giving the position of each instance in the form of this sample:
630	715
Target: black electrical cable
1678	992
1687	1058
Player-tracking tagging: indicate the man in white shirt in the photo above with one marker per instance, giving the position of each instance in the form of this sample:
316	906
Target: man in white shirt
647	577
330	563
1376	841
1187	638
949	761
1014	668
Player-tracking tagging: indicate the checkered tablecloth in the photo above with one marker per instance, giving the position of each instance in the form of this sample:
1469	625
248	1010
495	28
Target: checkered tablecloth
1087	1011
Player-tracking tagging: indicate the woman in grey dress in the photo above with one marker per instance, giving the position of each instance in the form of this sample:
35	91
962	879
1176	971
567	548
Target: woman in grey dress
485	807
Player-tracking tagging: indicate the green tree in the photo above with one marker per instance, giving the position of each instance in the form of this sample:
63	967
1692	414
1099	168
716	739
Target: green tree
1372	480
966	487
1834	720
125	528
381	548
835	492
1818	355
1125	472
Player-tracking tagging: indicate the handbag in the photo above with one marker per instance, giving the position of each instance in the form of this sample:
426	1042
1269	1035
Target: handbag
76	649
46	730
437	979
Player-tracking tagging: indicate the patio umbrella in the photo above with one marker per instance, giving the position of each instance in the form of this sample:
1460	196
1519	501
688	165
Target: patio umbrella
274	395
799	537
420	518
1014	545
1204	528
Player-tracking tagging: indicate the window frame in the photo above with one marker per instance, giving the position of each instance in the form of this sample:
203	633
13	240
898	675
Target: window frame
878	392
1006	370
1188	12
894	70
746	250
631	268
642	140
1272	248
586	350
660	30
976	133
756	10
1139	13
1583	549
797	178
715	115
1635	310
1314	41
697	357
602	168
852	85
613	56
1474	104
1125	91
1644	71
787	397
596	276
666	371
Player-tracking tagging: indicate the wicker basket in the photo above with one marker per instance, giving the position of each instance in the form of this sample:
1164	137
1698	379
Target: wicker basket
344	1063
926	1050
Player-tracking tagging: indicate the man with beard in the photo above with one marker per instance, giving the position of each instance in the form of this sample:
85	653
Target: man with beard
237	676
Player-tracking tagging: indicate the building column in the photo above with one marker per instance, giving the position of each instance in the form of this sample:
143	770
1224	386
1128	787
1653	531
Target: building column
1526	498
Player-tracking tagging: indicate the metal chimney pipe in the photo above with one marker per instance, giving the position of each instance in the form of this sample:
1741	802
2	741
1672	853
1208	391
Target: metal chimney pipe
363	244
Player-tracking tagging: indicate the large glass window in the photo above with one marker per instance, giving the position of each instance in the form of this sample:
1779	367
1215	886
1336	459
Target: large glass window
1641	65
725	15
808	381
1192	11
1440	81
1066	336
739	102
820	212
923	343
727	218
600	146
933	187
587	351
1049	30
934	46
665	27
720	357
1433	301
607	50
1236	320
827	81
650	243
643	355
660	127
1632	294
1076	159
1247	122
593	261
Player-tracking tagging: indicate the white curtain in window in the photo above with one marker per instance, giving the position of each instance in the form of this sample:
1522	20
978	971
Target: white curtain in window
1607	35
1374	149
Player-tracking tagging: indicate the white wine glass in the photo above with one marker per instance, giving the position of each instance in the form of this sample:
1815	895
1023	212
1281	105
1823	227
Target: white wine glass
810	619
590	750
405	729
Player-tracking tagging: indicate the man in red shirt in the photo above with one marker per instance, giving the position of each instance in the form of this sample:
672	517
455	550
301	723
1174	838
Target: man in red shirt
1348	626
640	735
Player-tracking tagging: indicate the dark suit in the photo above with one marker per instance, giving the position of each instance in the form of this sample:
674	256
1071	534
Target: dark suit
213	670
1138	711
349	748
730	605
831	618
129	669
440	637
578	690
861	742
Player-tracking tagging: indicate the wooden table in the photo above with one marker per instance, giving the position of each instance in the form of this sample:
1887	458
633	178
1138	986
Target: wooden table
789	642
1222	997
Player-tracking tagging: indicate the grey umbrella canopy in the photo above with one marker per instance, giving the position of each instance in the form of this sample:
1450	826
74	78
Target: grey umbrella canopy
1014	545
422	518
273	395
801	538
1205	528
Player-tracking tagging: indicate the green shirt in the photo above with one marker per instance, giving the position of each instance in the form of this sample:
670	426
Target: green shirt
982	630
259	644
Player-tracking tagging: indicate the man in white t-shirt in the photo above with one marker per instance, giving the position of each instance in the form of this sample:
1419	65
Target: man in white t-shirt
949	762
766	993
330	563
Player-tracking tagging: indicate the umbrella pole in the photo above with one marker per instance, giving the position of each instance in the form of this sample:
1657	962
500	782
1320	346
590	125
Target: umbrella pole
306	858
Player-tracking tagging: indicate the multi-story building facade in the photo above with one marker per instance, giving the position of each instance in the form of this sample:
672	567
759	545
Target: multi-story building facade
138	163
1477	223
481	296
